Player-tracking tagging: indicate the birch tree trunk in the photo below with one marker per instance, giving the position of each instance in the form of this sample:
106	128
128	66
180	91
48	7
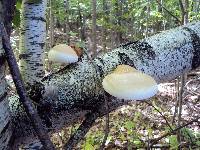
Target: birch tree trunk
5	119
66	95
32	40
6	126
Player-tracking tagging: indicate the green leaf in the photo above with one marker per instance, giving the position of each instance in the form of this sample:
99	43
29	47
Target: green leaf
198	143
173	142
72	33
137	142
19	4
129	125
89	146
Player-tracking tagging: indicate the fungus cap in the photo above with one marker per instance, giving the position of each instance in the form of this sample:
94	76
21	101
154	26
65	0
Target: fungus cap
129	84
62	53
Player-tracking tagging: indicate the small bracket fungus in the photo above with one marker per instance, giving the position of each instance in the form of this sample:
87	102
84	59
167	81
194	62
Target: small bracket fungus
130	84
62	53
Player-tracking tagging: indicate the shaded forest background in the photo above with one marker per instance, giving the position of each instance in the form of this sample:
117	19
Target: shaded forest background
101	26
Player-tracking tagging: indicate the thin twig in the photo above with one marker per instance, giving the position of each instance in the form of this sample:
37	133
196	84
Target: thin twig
169	12
107	128
176	104
154	141
180	101
160	114
24	99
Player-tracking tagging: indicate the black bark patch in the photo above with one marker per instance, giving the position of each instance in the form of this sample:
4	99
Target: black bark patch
144	50
99	67
38	18
35	91
5	128
24	56
91	103
125	59
44	112
2	97
196	47
2	60
101	61
127	44
42	45
100	71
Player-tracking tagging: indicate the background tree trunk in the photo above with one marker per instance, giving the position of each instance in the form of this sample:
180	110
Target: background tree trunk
119	13
81	22
105	19
6	129
66	24
147	18
160	10
94	18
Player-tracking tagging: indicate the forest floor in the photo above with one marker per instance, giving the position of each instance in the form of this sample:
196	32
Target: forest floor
132	126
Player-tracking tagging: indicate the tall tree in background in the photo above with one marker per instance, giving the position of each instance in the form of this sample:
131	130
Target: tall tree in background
94	18
51	31
105	22
51	24
119	13
147	17
81	21
32	40
66	26
159	24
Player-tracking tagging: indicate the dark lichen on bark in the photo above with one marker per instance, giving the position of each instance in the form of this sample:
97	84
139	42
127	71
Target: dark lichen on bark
196	47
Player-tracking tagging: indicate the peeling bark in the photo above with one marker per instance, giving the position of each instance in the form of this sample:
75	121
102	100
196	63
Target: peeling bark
78	87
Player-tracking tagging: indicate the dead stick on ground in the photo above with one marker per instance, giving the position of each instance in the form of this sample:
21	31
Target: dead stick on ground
82	130
29	108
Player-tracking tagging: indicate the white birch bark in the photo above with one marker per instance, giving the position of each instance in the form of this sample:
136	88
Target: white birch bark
5	120
32	40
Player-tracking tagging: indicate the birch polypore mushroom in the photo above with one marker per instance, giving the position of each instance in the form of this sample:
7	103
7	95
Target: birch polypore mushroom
62	53
130	84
